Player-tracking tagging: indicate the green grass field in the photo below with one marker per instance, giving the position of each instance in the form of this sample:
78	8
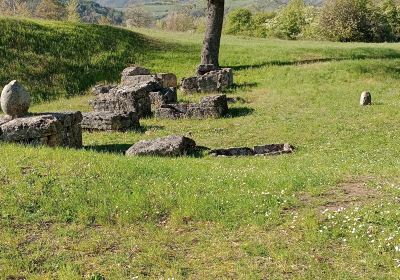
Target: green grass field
328	211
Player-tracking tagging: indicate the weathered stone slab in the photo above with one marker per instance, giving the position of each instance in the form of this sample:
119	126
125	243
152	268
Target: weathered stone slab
209	107
211	81
264	150
273	149
231	152
52	129
135	70
127	98
138	79
168	146
110	121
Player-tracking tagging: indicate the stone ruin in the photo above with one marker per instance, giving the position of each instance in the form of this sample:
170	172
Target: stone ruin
208	79
209	107
264	150
119	107
175	145
51	129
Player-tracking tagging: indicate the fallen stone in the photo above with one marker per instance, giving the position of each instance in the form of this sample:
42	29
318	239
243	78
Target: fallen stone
273	149
365	99
51	129
264	150
110	121
231	152
167	146
135	70
15	100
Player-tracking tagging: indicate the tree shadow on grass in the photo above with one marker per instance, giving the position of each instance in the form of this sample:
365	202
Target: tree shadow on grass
109	148
239	112
388	54
241	87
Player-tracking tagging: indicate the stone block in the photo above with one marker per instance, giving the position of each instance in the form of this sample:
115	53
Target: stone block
52	129
110	121
167	146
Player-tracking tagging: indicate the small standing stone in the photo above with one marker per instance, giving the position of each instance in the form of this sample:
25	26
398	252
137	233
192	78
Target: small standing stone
365	99
15	100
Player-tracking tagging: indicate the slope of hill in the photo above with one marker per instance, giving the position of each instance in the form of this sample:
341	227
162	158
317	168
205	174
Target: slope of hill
55	59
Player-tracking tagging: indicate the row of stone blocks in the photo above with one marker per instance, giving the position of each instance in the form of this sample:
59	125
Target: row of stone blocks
119	107
143	94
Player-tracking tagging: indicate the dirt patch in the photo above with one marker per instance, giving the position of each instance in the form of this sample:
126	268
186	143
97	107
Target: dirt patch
350	193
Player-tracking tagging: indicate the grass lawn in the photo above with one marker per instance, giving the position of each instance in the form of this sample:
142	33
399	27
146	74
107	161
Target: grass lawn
328	211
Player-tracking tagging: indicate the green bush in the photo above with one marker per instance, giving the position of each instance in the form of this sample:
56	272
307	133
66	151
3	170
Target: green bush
346	20
239	22
259	23
289	22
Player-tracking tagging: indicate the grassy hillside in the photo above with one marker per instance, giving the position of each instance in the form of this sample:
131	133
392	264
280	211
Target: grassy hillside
56	59
328	211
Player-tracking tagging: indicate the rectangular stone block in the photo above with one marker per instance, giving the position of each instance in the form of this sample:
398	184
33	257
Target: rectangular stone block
110	121
52	129
127	98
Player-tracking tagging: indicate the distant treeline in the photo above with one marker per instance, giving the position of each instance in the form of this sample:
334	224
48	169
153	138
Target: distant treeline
335	20
76	10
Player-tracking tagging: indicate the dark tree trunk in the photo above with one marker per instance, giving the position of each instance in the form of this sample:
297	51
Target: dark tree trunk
215	18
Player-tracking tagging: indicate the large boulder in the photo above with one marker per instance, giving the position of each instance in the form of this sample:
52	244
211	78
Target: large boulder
15	100
168	146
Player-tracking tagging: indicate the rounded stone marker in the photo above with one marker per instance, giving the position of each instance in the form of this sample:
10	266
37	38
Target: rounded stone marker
15	100
365	99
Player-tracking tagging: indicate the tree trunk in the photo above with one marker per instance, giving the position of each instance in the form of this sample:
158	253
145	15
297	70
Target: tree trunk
215	18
